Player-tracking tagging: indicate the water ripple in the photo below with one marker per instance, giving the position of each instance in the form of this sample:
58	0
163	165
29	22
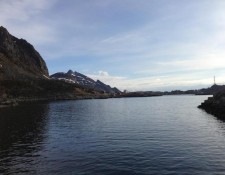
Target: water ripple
159	135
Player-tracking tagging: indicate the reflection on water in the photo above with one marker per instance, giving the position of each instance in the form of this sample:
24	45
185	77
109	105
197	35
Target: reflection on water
159	135
22	131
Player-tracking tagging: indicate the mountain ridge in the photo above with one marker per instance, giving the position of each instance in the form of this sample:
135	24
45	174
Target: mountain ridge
83	80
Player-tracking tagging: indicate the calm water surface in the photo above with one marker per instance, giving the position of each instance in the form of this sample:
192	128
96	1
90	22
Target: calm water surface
156	135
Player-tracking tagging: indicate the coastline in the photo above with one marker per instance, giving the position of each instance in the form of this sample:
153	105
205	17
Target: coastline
17	101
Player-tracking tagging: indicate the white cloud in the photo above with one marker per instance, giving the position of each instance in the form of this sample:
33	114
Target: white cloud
23	19
103	73
202	63
162	83
104	76
22	10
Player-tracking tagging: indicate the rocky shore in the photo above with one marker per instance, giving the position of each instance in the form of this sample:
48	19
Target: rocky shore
8	102
215	105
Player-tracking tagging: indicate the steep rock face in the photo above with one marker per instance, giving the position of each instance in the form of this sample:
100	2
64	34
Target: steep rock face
78	78
18	58
103	87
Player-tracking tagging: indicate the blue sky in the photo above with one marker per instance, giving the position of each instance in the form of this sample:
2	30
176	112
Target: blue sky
130	44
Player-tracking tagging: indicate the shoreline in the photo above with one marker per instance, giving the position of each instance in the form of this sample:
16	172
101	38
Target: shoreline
18	101
21	100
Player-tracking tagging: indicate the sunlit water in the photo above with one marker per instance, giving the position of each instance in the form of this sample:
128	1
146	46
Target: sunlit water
156	135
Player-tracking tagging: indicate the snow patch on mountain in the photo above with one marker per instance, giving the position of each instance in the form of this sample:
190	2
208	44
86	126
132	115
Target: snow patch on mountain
78	78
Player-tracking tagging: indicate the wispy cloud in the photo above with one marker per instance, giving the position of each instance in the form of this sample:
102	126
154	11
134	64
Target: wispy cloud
26	19
158	83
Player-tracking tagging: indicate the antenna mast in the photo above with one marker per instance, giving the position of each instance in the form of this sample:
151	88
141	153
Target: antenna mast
214	80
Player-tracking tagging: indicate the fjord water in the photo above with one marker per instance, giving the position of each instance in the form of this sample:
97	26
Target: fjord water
155	135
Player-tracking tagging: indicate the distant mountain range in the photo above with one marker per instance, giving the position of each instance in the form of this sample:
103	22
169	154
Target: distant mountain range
80	79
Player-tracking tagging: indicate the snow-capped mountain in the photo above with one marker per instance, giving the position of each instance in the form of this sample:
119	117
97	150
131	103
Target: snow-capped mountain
83	80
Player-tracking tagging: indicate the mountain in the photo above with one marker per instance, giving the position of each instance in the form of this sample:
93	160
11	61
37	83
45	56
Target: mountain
19	59
83	80
24	75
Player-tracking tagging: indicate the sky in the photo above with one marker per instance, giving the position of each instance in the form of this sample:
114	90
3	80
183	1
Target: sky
131	44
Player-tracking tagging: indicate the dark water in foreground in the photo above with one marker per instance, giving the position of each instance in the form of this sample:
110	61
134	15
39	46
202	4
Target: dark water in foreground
157	135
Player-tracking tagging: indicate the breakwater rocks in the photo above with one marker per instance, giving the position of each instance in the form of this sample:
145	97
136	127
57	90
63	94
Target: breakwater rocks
9	102
215	105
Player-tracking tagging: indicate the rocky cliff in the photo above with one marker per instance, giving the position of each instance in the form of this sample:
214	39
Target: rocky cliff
19	59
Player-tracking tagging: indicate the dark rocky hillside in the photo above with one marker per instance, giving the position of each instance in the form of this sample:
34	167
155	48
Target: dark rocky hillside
43	89
80	79
19	59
